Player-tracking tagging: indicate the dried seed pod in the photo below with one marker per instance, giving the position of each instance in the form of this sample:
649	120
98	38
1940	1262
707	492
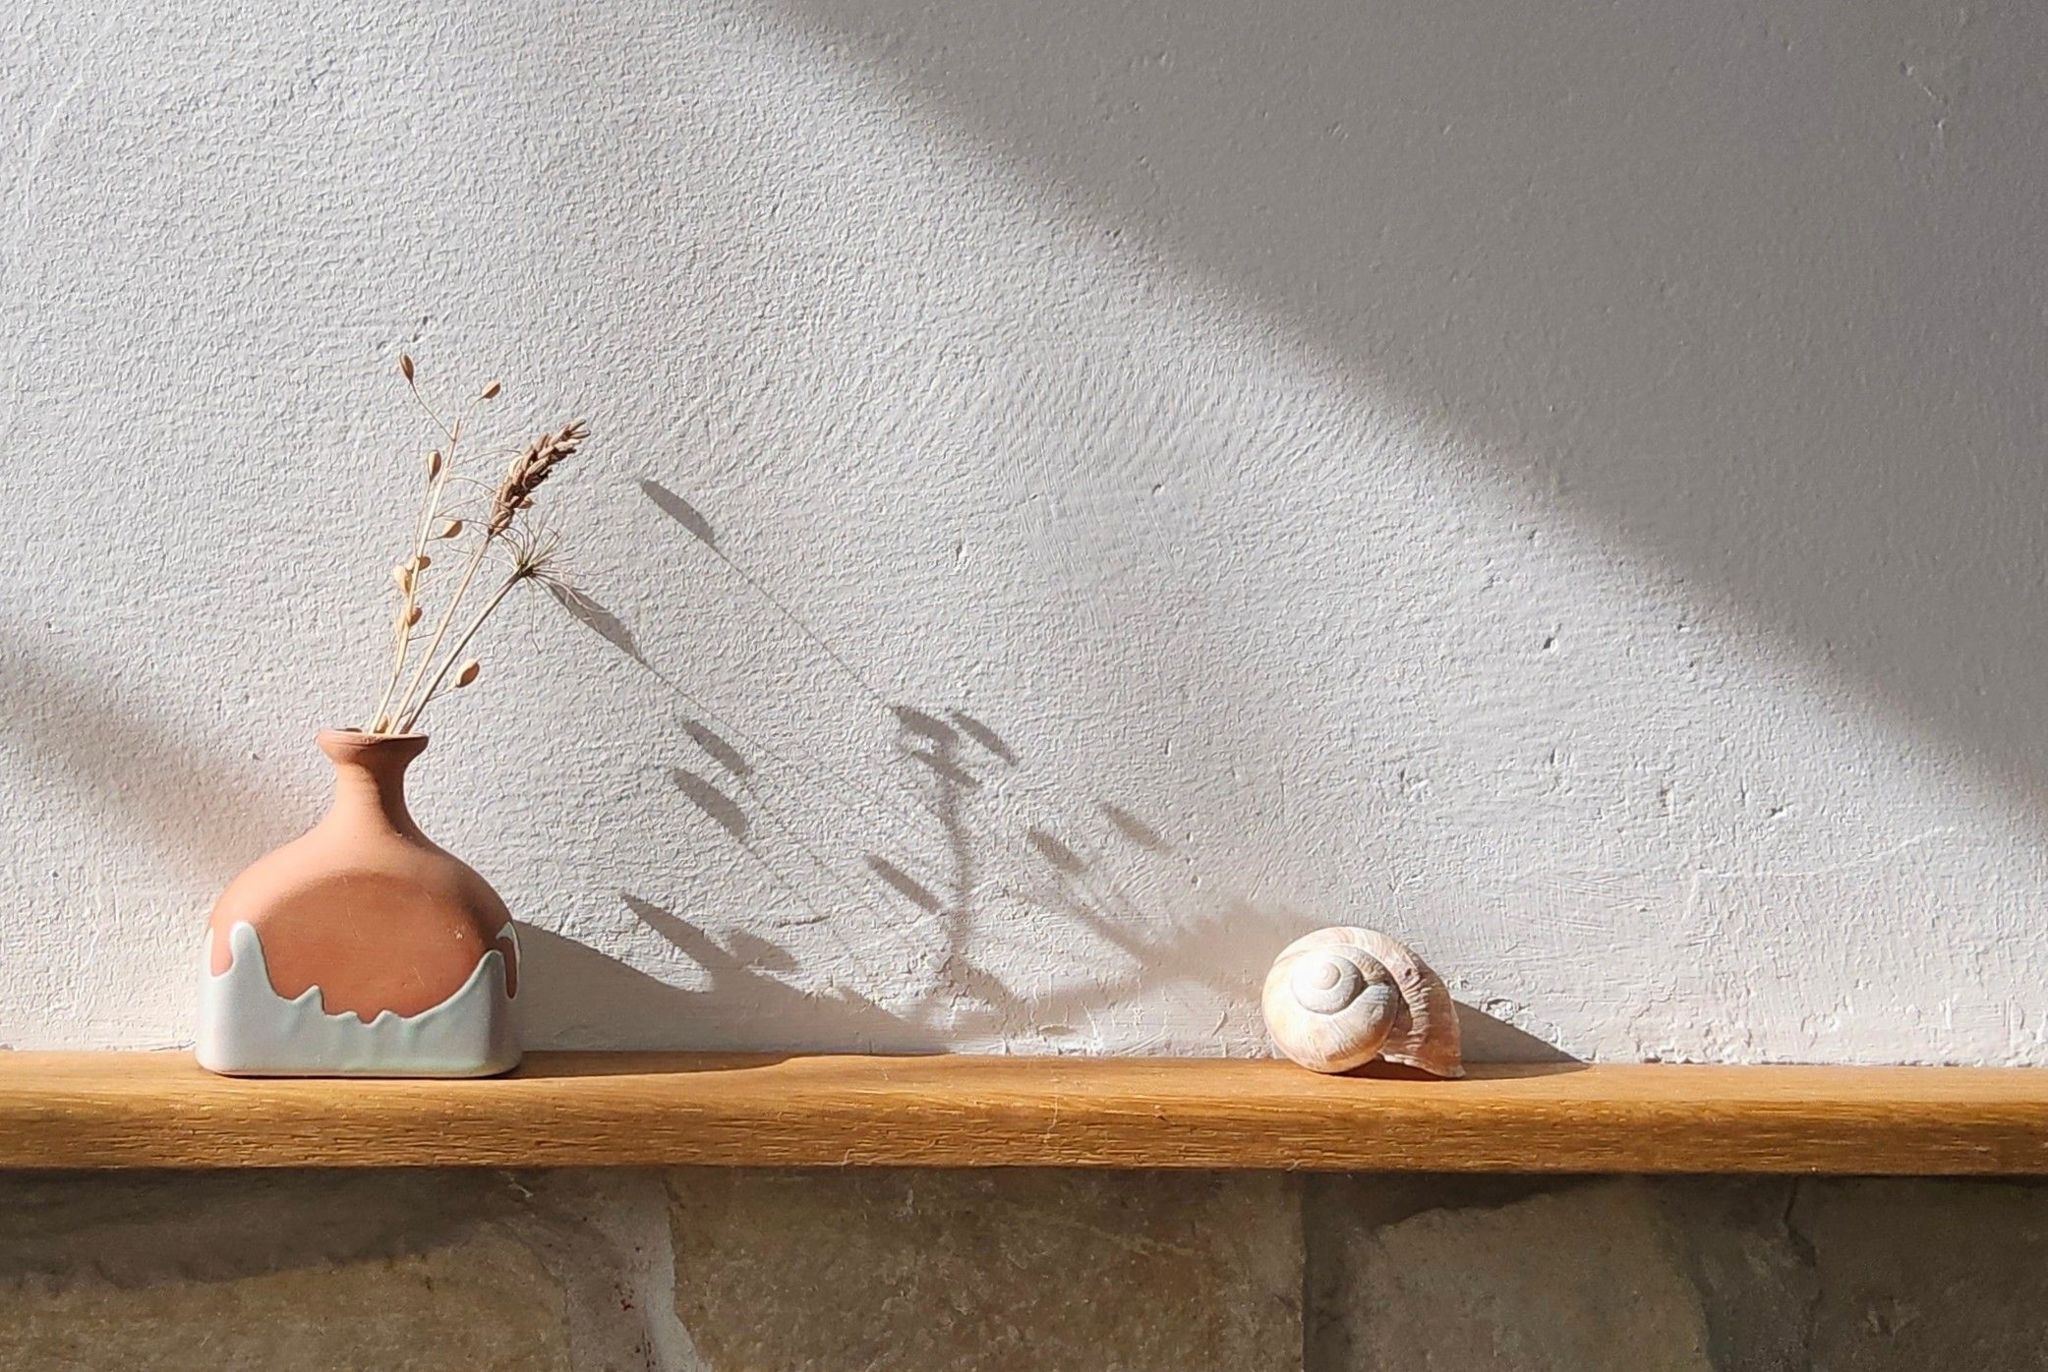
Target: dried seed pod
411	615
469	672
490	392
433	464
450	529
401	575
420	562
381	724
405	365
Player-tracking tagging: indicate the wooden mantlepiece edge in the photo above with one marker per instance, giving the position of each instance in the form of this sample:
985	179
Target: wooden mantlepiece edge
127	1110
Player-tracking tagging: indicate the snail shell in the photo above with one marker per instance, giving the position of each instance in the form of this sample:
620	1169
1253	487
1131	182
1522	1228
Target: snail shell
1338	998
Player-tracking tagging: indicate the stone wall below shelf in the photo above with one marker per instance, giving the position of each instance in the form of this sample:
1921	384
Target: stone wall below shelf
1031	1271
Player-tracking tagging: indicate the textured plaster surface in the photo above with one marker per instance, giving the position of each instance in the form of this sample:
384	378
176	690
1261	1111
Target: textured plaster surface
1560	484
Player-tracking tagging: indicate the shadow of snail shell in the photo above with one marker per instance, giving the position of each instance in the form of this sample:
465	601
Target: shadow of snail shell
1338	998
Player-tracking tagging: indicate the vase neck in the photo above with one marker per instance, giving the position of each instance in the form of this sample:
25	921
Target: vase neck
369	774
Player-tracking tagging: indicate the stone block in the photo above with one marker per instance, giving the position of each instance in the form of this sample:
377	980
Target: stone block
1629	1275
997	1271
1920	1274
412	1271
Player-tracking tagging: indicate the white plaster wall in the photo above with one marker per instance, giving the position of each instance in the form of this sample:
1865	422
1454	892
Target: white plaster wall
1561	483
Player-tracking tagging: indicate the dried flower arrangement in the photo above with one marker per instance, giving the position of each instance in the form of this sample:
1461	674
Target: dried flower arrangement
504	524
362	947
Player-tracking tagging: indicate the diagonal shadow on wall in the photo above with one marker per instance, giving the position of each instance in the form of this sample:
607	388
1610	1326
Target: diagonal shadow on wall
747	993
1757	295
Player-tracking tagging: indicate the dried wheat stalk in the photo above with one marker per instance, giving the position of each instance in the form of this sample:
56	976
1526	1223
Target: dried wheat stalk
531	468
506	524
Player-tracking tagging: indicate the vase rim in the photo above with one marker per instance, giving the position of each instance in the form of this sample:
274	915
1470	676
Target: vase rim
362	740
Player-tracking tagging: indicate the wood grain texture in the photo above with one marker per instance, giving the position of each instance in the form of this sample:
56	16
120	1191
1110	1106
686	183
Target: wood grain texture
97	1110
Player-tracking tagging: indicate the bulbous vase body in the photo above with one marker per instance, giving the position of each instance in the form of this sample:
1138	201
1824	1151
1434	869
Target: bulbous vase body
360	948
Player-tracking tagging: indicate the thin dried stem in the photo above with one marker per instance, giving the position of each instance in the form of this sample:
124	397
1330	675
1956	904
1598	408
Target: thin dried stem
514	494
455	653
406	711
441	468
405	369
409	599
530	563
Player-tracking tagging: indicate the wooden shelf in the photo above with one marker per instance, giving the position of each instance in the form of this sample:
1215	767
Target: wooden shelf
111	1110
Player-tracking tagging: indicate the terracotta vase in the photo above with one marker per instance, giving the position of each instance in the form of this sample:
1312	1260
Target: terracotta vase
360	948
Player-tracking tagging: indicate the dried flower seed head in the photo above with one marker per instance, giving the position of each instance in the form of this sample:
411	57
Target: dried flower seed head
405	365
490	392
469	672
420	562
534	552
381	724
531	468
450	529
411	615
433	464
401	575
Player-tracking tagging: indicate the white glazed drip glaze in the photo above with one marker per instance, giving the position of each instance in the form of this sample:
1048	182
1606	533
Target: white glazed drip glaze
247	1029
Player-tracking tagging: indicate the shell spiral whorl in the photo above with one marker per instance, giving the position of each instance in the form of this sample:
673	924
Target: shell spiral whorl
1326	983
1338	998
